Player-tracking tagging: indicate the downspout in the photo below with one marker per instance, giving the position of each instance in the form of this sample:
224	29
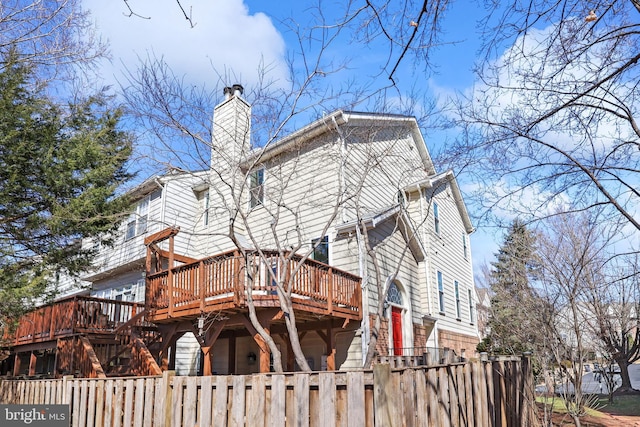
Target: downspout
365	337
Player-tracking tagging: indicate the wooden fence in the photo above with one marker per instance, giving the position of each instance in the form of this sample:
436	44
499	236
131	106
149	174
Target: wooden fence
481	393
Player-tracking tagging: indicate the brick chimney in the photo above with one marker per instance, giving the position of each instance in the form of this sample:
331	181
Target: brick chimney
231	129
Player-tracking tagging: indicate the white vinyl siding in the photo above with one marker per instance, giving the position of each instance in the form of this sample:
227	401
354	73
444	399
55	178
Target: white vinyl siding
446	255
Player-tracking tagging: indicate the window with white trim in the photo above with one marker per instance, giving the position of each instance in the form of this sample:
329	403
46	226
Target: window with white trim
203	200
440	292
436	218
472	306
256	187
137	223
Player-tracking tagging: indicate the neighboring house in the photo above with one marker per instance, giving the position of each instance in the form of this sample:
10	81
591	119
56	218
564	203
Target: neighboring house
358	198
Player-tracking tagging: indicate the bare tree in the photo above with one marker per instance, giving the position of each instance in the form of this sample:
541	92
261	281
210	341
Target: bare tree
570	253
554	117
55	37
615	303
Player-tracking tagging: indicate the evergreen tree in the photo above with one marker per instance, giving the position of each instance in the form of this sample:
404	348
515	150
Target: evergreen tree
513	317
59	171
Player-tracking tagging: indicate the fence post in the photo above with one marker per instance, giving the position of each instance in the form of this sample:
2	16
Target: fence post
167	397
528	404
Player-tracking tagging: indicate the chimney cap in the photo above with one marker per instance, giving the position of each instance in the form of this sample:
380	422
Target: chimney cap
238	88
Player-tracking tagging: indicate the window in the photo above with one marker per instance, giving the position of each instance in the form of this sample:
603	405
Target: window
393	294
465	249
472	304
256	187
440	292
321	249
137	223
203	199
436	218
457	290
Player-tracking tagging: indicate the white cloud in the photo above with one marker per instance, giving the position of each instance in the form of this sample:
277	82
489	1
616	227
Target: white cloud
226	39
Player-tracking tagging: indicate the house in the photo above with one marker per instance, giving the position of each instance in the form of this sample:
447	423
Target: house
344	226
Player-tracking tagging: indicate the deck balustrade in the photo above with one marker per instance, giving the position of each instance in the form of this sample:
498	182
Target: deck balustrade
70	316
227	281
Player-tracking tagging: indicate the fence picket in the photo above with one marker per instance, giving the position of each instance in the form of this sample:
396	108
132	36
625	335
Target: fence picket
355	399
278	390
256	401
190	402
206	396
327	398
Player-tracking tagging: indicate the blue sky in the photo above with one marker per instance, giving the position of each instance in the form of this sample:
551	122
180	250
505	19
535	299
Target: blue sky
233	37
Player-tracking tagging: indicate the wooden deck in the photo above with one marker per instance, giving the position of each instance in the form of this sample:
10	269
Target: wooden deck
224	283
72	316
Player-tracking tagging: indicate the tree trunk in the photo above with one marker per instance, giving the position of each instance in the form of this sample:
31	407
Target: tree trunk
624	374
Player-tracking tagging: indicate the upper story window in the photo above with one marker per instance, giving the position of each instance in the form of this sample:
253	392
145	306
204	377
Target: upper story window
440	292
137	223
436	218
321	249
203	199
472	306
256	187
457	292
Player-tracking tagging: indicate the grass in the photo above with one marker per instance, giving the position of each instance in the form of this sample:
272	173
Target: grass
559	406
627	405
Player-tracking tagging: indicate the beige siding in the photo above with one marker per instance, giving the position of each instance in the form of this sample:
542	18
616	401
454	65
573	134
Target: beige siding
446	254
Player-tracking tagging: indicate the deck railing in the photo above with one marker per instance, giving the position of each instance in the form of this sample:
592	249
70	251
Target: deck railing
224	281
78	314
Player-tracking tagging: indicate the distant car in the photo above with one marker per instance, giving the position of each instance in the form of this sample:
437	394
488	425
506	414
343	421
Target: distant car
541	388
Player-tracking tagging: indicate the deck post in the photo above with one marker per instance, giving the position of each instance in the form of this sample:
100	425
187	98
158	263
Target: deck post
331	350
330	292
170	277
201	278
33	359
16	365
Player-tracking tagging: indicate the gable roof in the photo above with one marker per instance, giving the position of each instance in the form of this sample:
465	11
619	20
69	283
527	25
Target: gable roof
331	122
396	212
444	178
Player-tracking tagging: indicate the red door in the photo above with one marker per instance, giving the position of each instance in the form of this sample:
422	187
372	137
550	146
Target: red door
396	327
